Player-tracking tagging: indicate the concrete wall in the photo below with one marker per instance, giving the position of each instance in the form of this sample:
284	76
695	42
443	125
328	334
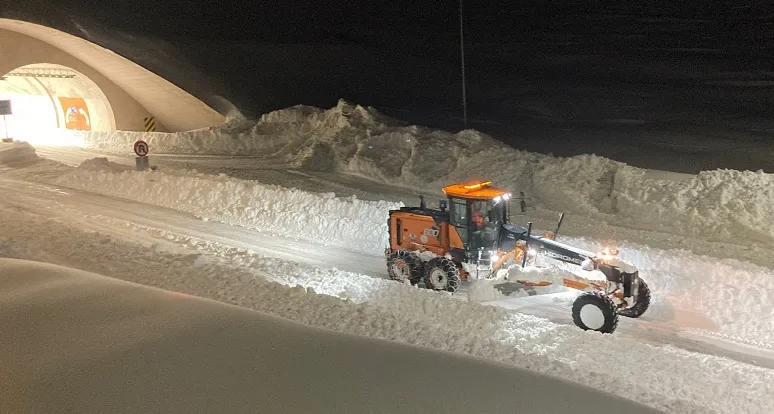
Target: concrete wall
17	50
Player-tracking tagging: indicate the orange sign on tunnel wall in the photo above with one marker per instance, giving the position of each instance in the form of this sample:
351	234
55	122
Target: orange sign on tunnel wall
76	114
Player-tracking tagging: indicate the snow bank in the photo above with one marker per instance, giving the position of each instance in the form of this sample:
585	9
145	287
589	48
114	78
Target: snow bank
721	205
102	164
321	218
713	205
225	356
666	378
736	297
18	154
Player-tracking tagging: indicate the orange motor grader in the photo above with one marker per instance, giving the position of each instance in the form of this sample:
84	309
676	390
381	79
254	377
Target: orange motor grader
469	237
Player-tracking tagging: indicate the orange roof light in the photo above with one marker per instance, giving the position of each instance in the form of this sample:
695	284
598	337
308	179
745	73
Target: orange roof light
478	185
481	190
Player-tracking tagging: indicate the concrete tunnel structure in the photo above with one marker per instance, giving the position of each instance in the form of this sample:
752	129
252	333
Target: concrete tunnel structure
58	81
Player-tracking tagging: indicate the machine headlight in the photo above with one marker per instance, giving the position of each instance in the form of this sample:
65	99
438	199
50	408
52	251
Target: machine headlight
493	256
608	253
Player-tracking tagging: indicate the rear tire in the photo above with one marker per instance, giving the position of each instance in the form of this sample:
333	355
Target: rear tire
441	274
595	312
642	304
404	265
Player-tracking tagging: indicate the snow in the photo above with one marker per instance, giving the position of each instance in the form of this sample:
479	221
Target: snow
733	298
736	296
17	155
729	298
713	205
317	217
102	345
484	290
683	381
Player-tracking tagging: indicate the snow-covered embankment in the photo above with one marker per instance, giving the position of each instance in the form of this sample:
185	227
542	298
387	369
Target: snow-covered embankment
721	205
322	217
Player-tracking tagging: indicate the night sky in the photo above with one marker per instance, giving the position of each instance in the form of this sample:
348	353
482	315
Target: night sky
540	74
703	23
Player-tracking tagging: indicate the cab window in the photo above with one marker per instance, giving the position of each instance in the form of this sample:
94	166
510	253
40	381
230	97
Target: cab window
459	210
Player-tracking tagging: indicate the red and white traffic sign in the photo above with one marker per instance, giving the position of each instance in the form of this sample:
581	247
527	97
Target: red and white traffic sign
141	148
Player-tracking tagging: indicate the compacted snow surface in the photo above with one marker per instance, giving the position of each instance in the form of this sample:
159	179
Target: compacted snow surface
123	347
676	277
733	296
719	205
667	378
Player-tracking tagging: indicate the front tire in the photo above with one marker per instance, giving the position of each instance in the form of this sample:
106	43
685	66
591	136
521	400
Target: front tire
441	274
642	304
404	265
595	312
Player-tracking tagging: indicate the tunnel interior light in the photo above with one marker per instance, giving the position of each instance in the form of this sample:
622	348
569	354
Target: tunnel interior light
52	106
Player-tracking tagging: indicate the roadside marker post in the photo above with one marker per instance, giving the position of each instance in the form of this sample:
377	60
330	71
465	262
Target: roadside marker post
5	110
141	161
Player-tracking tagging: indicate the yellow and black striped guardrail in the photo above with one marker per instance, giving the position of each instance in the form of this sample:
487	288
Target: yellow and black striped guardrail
150	124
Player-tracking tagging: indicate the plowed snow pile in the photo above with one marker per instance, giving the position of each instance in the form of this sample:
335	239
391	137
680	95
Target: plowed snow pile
320	218
713	205
693	382
667	378
733	297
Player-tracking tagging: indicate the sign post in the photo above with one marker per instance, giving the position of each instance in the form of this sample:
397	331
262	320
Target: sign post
5	109
141	161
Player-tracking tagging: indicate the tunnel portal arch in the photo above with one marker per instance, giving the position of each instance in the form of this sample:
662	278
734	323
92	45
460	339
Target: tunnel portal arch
117	94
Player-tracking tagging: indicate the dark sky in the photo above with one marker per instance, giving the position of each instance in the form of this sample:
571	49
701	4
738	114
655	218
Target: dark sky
539	73
432	22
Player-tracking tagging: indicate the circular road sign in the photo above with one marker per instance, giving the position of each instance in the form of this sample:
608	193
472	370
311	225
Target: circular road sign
141	148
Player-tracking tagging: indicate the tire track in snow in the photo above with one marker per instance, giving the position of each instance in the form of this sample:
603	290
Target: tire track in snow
683	381
157	226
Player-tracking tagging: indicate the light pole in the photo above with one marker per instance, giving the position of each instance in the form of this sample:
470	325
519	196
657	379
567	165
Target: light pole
462	63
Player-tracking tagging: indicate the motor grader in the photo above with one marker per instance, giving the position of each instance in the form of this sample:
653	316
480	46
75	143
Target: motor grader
470	237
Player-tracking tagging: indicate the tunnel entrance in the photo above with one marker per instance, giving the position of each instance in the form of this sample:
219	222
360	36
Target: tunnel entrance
47	104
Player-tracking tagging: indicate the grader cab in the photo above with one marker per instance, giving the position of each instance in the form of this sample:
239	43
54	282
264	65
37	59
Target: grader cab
469	237
464	234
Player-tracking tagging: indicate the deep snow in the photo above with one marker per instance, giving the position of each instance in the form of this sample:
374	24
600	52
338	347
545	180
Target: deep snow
320	217
681	381
733	298
105	345
720	205
356	140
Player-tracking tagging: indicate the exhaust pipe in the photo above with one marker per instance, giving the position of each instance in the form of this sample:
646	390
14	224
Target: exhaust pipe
526	245
558	225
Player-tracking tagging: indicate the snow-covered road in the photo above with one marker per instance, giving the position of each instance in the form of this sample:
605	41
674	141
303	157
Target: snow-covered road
388	310
149	223
608	228
46	199
703	277
182	232
104	345
247	168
